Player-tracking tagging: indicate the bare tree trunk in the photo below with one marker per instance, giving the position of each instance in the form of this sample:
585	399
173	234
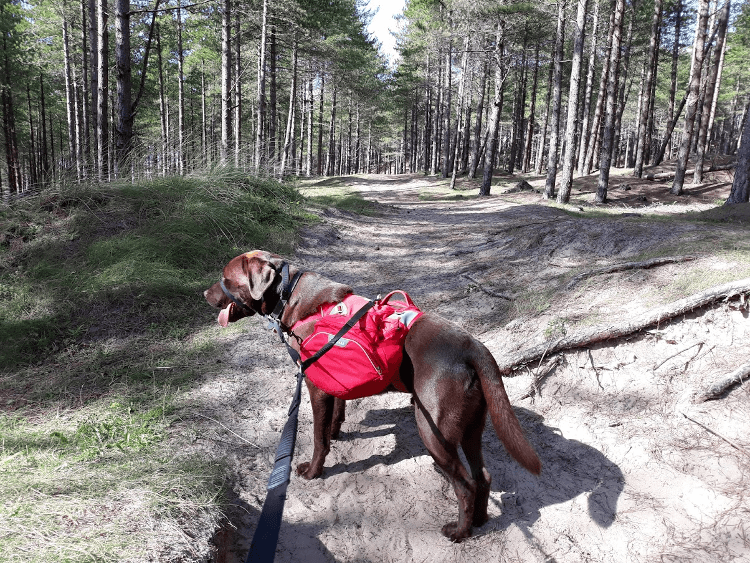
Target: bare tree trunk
545	123
310	119
102	97
526	164
46	172
675	59
646	108
708	101
226	79
273	118
289	136
447	161
331	156
320	124
259	146
237	91
162	106
204	118
86	104
459	123
69	97
572	122
494	121
609	120
124	127
585	127
692	101
436	123
478	125
15	179
180	95
592	148
741	185
549	187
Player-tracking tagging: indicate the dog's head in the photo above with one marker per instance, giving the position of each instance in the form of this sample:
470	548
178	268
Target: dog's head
248	277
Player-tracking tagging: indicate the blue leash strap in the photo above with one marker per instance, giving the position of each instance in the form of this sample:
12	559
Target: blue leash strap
263	547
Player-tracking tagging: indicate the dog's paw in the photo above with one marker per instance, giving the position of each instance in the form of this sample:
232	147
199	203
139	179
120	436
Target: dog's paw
306	471
452	532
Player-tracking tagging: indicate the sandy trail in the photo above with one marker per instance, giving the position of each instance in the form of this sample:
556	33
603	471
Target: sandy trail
626	477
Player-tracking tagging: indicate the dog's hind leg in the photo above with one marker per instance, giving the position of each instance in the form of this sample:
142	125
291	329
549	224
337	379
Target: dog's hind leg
472	447
446	457
339	416
322	407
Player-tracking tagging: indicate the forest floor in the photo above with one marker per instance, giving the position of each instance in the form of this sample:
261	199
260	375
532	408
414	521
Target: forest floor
627	476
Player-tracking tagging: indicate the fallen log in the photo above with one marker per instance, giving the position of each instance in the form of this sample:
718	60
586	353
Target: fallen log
512	362
629	266
724	384
670	175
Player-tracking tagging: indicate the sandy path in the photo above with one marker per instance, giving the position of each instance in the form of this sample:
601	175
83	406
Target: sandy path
626	476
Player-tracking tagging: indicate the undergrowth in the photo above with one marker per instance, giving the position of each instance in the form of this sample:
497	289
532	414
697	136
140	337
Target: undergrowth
100	312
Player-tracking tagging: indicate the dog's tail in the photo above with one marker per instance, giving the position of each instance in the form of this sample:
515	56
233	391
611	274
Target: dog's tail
503	418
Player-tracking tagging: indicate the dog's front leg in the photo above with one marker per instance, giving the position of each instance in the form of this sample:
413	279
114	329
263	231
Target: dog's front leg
322	407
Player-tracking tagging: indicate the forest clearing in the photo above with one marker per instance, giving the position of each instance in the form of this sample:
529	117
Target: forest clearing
566	180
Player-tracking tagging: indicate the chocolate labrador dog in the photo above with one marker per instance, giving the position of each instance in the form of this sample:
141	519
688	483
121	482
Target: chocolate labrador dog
452	377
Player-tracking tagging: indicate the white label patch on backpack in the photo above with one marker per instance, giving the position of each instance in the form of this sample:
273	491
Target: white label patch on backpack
339	309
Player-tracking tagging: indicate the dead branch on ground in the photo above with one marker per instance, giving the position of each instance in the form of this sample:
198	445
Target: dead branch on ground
630	266
657	366
601	333
487	291
541	376
727	440
670	175
724	384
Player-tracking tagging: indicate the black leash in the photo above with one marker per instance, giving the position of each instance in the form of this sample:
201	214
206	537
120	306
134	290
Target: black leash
266	536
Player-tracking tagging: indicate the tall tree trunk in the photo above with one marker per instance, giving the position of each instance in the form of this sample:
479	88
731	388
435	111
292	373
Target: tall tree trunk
675	59
519	105
427	116
436	122
692	101
237	91
494	121
46	172
102	96
310	119
740	192
261	91
273	118
585	126
70	97
572	122
163	106
708	101
289	136
609	118
331	156
545	122
480	113
91	26
459	124
226	79
447	160
623	95
526	163
549	187
320	124
124	126
86	102
592	147
646	108
181	149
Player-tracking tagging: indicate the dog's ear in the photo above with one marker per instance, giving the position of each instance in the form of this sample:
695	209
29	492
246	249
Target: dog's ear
260	274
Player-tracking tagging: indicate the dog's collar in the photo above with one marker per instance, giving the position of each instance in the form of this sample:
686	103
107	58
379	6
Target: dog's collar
287	288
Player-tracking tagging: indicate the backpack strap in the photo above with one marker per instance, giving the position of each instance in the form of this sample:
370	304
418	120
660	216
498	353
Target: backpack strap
407	299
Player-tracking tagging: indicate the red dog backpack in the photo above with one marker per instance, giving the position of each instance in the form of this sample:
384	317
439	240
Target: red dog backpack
366	359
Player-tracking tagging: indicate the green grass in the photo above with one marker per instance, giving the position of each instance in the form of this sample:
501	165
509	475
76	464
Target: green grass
101	318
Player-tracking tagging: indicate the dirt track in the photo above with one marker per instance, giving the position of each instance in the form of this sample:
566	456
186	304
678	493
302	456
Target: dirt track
626	477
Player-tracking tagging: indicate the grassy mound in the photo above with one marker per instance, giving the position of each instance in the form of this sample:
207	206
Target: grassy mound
101	308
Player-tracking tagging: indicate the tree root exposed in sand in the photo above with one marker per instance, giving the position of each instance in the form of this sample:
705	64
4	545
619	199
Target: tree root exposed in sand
724	384
609	332
629	266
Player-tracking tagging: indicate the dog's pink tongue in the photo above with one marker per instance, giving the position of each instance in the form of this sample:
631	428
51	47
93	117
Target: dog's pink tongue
224	316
